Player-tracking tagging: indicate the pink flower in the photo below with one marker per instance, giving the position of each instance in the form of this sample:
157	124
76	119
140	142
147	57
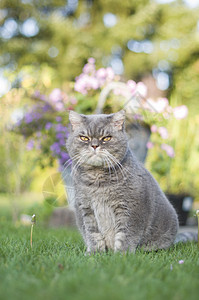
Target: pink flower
163	132
91	60
141	89
59	106
110	74
73	100
88	69
132	85
149	145
93	83
122	92
180	112
101	73
169	150
154	128
82	83
181	262
162	104
55	96
159	106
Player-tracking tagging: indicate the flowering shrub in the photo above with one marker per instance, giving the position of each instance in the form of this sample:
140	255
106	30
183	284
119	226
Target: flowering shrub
92	79
45	123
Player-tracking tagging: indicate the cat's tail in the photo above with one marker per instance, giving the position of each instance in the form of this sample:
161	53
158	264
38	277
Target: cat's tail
186	237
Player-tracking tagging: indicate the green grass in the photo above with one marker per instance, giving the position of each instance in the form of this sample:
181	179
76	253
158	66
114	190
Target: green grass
56	268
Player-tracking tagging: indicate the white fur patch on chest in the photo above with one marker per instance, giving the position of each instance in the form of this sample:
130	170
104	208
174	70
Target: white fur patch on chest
105	220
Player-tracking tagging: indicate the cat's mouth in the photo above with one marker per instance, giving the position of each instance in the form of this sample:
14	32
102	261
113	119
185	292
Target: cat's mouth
94	159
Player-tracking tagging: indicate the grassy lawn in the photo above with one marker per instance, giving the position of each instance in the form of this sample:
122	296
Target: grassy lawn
56	268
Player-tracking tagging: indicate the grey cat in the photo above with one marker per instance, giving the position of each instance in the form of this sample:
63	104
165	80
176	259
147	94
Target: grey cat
118	204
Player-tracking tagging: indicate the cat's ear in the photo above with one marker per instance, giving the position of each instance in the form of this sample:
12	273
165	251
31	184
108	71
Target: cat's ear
75	119
119	119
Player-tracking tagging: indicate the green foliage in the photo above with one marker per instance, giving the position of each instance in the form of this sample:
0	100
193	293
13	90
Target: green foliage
16	166
77	35
57	268
180	174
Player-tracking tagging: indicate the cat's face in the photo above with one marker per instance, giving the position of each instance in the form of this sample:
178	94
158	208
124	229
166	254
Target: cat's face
97	140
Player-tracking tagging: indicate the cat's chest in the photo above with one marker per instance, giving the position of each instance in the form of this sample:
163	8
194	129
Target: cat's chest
105	219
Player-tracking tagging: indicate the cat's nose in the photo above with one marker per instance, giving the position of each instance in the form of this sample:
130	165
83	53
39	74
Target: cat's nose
95	146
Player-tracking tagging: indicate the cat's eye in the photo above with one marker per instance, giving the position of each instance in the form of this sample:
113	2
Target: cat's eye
84	138
106	138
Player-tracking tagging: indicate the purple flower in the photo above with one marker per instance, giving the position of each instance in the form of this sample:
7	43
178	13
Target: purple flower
60	128
181	262
55	148
46	108
38	95
37	115
60	135
58	119
38	134
48	125
67	134
64	157
28	118
169	150
138	117
62	142
30	145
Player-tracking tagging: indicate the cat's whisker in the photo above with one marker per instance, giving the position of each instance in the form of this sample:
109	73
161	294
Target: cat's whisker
116	161
81	160
111	157
64	170
112	166
75	157
109	167
69	162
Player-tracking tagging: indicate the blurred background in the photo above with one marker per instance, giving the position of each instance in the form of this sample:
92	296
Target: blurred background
45	45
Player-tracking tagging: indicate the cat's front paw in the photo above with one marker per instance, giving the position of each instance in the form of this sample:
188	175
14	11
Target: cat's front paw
120	243
96	249
98	244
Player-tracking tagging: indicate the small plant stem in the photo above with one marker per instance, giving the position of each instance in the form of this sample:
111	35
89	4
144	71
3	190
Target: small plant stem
31	235
33	221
